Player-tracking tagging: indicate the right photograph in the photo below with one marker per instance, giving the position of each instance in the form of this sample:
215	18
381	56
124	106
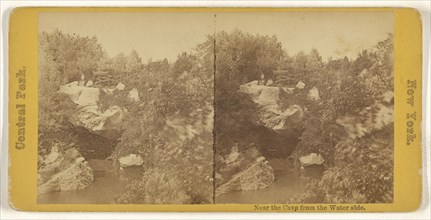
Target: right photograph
303	107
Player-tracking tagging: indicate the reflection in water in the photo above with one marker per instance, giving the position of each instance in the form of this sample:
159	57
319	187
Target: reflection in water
285	185
102	191
106	185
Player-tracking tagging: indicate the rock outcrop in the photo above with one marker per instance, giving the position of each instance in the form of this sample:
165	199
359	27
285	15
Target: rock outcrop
89	83
120	86
313	94
271	115
311	159
66	171
300	85
312	165
248	170
90	115
105	123
134	95
131	160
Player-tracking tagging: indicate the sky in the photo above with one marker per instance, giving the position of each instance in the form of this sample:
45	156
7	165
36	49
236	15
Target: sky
158	35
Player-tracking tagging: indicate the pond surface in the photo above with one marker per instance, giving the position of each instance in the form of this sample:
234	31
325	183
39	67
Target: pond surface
102	191
106	185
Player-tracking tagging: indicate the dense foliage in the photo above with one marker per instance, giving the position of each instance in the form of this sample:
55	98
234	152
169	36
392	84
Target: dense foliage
178	166
240	58
171	127
357	170
63	58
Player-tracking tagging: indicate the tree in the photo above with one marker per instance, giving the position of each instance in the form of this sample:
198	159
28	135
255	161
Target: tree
381	73
244	57
240	58
119	64
134	63
355	95
62	58
180	93
184	63
71	55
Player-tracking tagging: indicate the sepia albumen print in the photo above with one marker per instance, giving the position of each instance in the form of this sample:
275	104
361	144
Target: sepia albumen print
215	107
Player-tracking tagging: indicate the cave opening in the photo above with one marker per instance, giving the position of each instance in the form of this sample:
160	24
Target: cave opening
93	146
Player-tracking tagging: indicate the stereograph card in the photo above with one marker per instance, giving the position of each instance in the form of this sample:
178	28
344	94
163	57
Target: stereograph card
215	109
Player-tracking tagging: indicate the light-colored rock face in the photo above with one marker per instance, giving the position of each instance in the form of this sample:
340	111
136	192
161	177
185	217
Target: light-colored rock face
247	170
234	154
258	176
81	82
312	165
72	90
70	171
311	159
88	97
52	156
267	97
81	95
120	86
278	120
89	83
79	176
269	82
96	121
134	95
90	116
300	85
388	98
252	88
314	94
131	160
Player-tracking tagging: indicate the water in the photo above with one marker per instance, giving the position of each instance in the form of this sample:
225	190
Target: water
106	185
285	185
102	191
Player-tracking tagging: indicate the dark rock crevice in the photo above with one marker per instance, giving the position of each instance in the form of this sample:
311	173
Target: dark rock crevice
93	146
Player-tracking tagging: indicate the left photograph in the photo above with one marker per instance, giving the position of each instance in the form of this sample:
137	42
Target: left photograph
125	108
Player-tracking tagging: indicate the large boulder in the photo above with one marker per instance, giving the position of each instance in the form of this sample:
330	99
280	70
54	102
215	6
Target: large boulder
68	172
244	171
268	99
105	123
269	82
280	120
131	160
300	85
89	83
88	113
311	159
88	97
258	176
72	90
120	86
265	96
130	167
81	95
134	95
313	94
312	165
